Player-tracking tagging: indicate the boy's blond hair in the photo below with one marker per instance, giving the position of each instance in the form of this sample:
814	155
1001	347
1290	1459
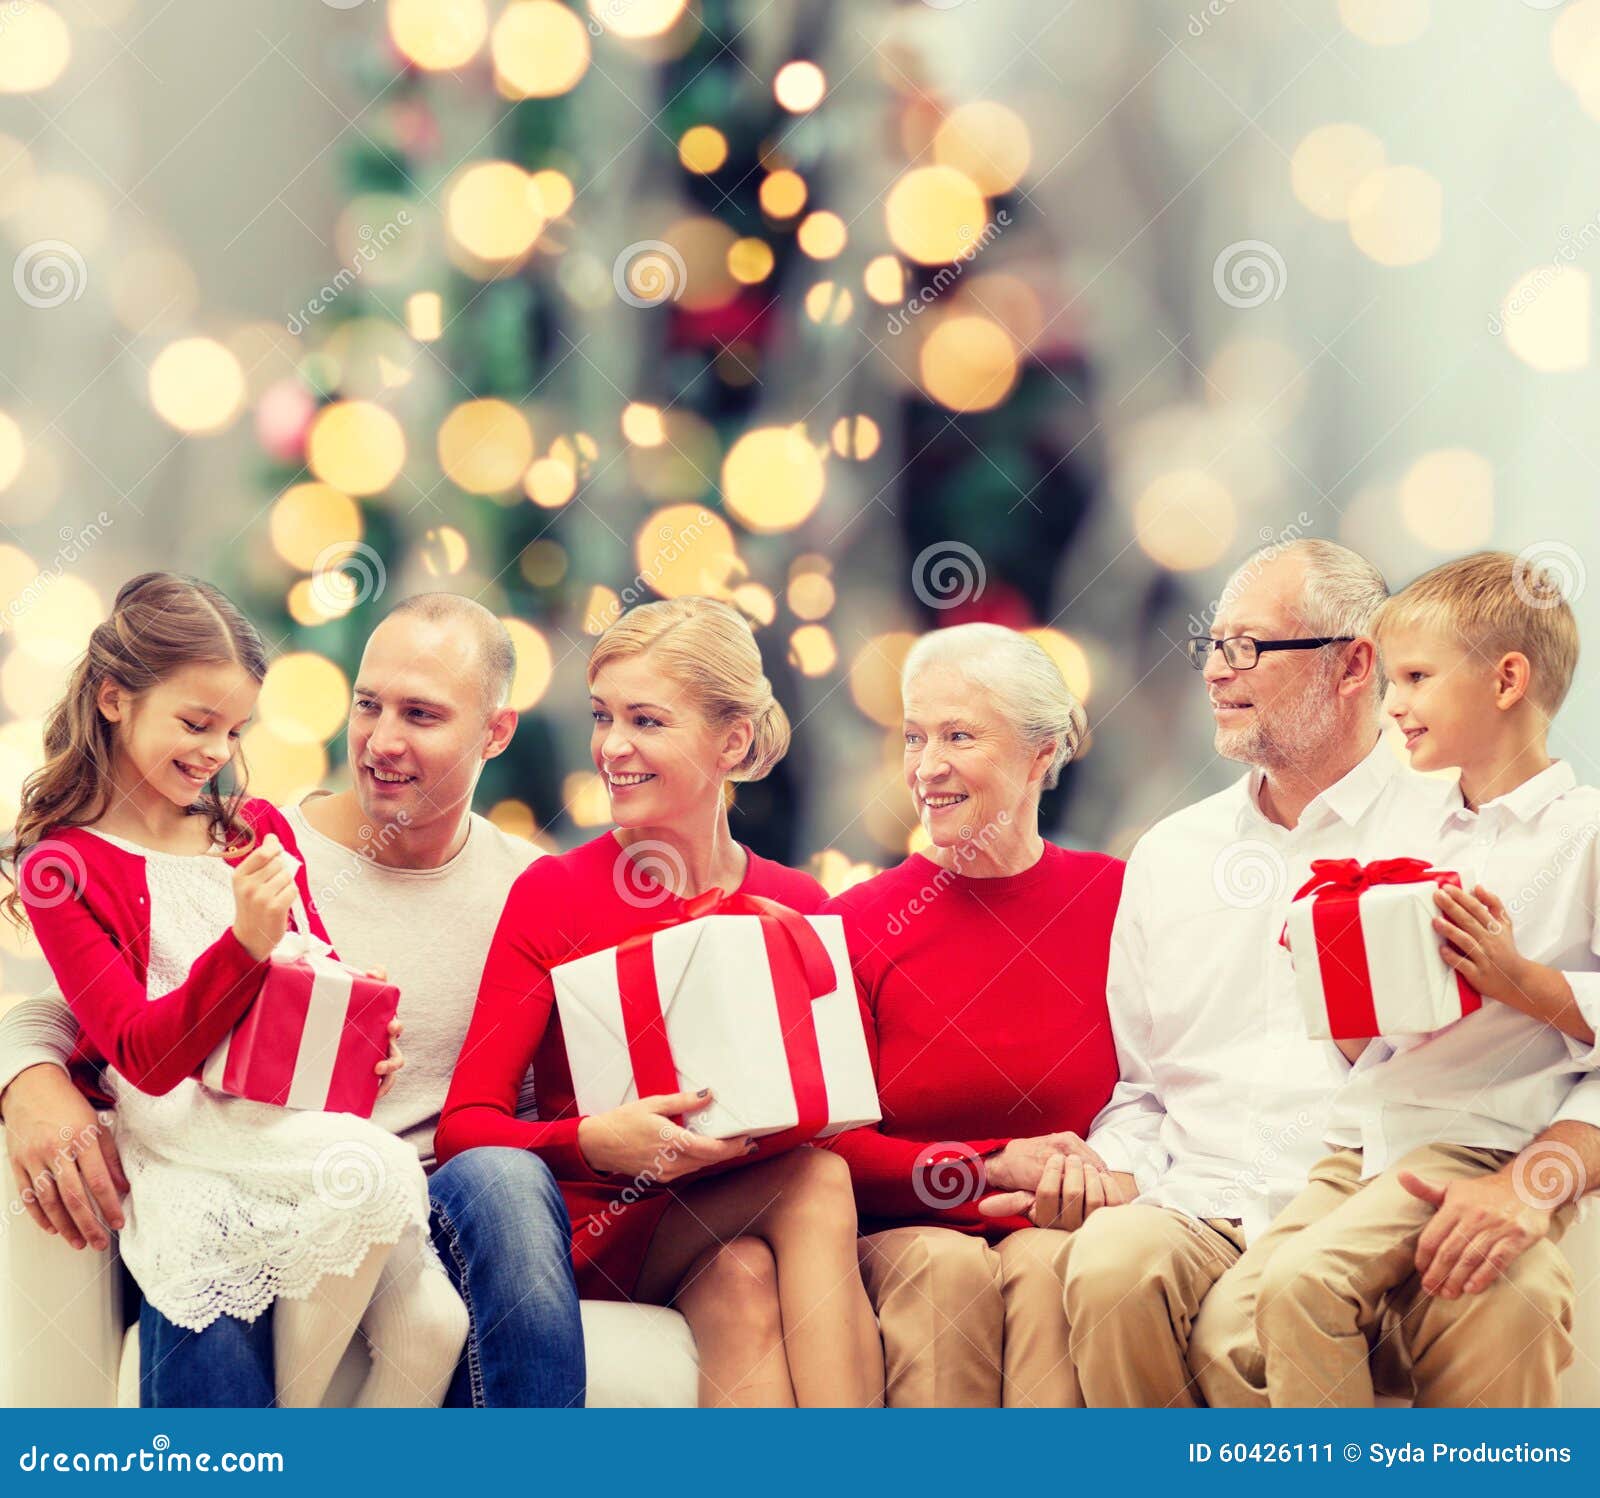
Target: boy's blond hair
1495	603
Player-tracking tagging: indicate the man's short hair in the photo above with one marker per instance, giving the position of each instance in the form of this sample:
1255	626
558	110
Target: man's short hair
497	655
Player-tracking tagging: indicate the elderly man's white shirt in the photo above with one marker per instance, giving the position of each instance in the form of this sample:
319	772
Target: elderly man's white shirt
1222	1108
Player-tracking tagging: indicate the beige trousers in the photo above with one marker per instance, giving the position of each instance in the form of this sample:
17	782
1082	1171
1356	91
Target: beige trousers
1331	1284
967	1325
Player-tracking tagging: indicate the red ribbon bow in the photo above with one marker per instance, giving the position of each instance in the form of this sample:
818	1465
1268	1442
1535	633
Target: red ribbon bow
1335	887
801	971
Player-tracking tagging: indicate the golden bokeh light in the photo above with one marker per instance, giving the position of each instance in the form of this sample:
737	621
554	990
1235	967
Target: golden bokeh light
425	316
355	446
855	437
1072	661
29	684
314	601
444	551
584	795
772	478
702	149
535	665
308	519
680	467
550	483
642	424
821	235
1261	376
601	609
544	563
968	363
12	451
812	651
875	676
1328	165
934	213
782	193
540	49
756	602
485	446
1546	318
634	20
885	280
750	261
196	385
60	614
553	192
493	212
829	302
305	698
1185	520
810	596
282	770
799	86
514	818
1447	499
703	243
438	35
1385	23
686	549
987	142
1397	215
35	47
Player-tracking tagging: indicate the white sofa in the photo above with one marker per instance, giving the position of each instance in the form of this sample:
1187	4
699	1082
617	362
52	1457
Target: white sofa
63	1342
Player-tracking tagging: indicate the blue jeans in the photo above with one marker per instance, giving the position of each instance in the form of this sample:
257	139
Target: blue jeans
502	1229
227	1366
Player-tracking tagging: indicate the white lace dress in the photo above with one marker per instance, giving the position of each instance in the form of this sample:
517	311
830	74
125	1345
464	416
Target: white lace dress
234	1203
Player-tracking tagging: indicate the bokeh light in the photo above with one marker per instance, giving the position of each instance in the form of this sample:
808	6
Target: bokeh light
1329	163
772	478
702	149
750	261
35	47
355	446
968	363
1385	23
12	450
540	49
1447	499
305	698
855	437
1185	520
987	142
812	651
799	86
821	235
438	35
934	213
635	20
196	385
782	193
1546	318
686	549
884	279
535	665
493	212
1397	215
875	676
485	446
309	519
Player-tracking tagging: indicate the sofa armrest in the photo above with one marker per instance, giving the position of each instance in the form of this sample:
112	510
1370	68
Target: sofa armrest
61	1315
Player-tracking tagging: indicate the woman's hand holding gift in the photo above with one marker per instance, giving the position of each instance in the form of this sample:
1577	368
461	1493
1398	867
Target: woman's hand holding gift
263	895
1479	943
641	1140
391	1064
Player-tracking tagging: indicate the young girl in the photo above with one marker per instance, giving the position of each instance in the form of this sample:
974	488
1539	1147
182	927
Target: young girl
761	1261
157	902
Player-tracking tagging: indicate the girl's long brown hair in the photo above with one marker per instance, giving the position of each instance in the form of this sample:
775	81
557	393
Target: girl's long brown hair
159	623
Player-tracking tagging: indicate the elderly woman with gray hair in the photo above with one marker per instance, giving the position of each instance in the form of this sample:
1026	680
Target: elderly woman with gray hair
981	971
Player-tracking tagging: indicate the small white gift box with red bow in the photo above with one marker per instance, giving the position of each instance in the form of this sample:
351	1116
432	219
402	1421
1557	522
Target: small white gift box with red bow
1366	956
313	1036
744	997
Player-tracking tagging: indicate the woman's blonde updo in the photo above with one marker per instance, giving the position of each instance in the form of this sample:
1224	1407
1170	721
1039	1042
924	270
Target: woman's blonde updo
707	647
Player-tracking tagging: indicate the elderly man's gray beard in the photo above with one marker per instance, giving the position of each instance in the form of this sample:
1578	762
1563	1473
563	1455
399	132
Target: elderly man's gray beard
1299	732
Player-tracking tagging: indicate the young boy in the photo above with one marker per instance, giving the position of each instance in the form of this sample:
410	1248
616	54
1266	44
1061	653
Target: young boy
1479	654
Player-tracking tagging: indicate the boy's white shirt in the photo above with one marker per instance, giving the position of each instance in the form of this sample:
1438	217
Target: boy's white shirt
1497	1078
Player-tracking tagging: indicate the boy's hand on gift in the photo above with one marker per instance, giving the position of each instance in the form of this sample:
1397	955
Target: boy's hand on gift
391	1064
641	1140
63	1157
1019	1166
1480	1227
1070	1190
263	895
1478	941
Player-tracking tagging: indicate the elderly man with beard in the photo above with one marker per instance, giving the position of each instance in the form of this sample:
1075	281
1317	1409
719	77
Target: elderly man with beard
1220	1111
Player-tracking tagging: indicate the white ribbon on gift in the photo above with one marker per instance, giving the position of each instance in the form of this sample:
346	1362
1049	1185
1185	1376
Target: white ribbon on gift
332	985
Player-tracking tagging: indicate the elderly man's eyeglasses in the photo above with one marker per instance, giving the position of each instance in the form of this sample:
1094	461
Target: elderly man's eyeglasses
1241	652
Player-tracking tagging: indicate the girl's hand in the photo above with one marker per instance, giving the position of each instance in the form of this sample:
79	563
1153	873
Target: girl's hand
391	1064
640	1139
1478	941
263	895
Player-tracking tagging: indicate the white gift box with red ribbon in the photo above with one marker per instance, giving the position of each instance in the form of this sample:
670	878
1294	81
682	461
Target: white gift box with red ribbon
1366	957
759	1006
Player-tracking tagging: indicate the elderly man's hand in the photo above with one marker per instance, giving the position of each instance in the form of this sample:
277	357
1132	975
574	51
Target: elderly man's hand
1480	1227
1070	1190
1019	1166
63	1157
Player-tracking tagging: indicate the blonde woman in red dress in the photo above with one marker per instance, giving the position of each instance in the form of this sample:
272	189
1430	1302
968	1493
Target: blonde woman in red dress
760	1259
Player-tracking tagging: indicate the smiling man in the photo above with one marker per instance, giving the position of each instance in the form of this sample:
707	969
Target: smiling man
1223	1103
408	878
